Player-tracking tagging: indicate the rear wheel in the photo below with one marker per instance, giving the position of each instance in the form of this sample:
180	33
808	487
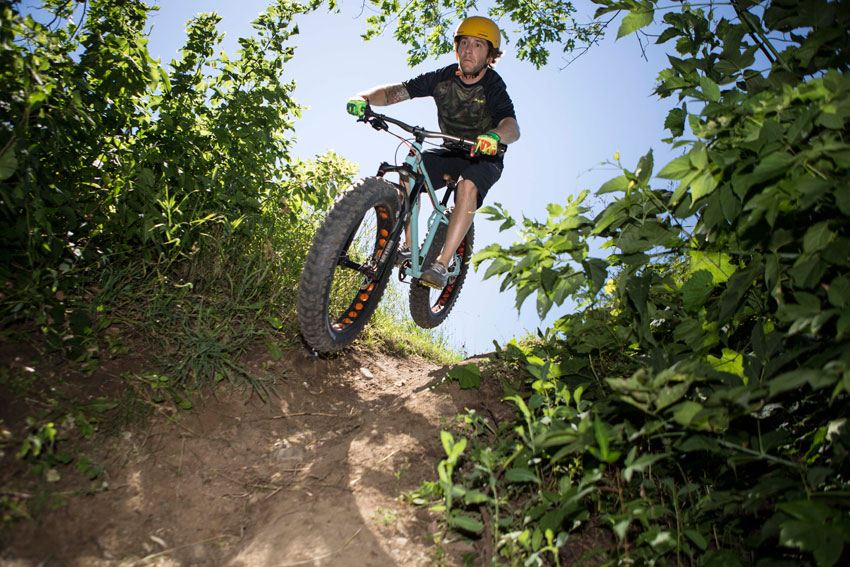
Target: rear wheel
429	307
339	288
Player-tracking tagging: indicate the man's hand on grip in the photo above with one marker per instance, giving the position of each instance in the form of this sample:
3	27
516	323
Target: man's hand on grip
486	144
357	106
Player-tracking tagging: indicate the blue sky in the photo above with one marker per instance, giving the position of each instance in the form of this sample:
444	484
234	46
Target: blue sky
572	118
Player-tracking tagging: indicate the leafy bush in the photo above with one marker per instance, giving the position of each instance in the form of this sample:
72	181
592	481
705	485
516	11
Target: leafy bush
695	405
127	189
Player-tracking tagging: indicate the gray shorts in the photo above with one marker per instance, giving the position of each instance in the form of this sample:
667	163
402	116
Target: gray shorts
484	171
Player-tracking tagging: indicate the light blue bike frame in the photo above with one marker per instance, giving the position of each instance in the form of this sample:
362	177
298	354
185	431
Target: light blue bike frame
414	160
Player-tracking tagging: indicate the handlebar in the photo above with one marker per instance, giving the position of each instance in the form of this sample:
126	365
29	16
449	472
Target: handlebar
381	121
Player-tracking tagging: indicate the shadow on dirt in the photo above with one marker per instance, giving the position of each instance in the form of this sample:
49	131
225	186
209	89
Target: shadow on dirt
313	477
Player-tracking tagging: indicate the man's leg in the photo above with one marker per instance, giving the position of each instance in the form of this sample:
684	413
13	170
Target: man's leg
466	202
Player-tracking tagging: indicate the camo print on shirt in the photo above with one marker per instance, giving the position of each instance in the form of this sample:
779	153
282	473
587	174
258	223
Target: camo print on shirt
464	110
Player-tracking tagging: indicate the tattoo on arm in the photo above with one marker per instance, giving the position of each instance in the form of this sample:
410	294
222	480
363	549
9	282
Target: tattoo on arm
396	93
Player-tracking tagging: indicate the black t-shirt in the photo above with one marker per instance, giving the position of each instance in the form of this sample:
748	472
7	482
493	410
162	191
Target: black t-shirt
464	110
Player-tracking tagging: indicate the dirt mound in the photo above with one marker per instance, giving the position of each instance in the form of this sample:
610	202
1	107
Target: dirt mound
313	477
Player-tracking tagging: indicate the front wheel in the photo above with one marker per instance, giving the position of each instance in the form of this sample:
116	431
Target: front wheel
429	307
339	287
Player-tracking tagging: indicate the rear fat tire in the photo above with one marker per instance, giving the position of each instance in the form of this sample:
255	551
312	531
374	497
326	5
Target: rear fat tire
323	330
430	307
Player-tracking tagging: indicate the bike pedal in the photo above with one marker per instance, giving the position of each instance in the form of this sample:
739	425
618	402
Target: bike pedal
426	284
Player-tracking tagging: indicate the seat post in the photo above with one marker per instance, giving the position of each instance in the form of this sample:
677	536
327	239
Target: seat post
451	185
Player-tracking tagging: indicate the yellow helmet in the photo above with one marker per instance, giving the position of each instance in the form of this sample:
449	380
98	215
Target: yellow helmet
485	28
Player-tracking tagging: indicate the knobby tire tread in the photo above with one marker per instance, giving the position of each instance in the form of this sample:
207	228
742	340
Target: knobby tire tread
421	308
315	284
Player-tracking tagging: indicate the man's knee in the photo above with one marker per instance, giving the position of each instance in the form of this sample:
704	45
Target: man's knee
468	192
467	187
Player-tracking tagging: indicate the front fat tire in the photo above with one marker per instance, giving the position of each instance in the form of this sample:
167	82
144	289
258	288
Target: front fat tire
430	307
327	331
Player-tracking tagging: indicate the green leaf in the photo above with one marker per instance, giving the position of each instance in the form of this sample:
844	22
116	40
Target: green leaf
640	17
685	412
495	214
644	169
807	510
498	266
8	164
693	333
466	523
521	475
677	169
555	438
699	156
839	292
703	185
698	443
642	463
554	209
697	290
548	278
709	89
475	497
523	408
771	166
813	529
597	270
620	183
795	379
448	441
737	287
613	213
669	395
696	537
731	362
275	352
717	263
600	432
101	405
457	450
467	375
818	237
675	121
544	303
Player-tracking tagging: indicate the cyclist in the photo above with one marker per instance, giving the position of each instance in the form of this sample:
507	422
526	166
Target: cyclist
472	103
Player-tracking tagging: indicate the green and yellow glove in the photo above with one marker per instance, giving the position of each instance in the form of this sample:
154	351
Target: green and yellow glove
357	106
487	144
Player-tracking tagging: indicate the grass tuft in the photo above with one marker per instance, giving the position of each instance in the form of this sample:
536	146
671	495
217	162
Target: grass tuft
394	330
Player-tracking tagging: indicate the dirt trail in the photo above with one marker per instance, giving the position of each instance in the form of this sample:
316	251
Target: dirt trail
311	478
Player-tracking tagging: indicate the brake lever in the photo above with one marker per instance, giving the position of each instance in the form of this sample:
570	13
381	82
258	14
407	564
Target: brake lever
378	123
367	114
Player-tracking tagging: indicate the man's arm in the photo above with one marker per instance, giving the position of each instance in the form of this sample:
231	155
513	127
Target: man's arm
507	130
385	95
